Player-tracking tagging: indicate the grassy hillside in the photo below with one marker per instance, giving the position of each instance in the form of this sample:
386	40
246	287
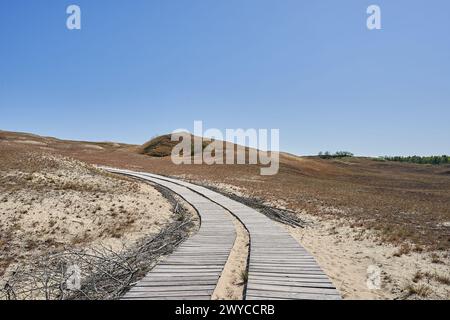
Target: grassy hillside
162	146
400	201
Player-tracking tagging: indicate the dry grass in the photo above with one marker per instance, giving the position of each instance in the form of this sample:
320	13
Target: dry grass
106	274
162	146
435	258
244	276
403	203
48	201
422	290
158	147
405	248
440	278
444	279
406	205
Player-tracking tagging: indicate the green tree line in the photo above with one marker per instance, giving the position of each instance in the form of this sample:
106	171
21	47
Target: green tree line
421	160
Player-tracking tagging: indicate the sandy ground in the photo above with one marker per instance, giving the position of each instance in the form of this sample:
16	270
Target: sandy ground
231	283
56	202
347	255
406	205
351	255
402	201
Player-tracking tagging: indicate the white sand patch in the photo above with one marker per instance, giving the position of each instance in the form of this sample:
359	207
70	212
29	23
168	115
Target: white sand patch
68	203
345	255
32	142
231	283
92	146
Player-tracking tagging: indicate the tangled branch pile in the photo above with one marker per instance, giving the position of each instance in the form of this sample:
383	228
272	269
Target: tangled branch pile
104	274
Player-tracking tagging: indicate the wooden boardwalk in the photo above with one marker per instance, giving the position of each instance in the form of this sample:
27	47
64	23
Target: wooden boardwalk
192	271
279	267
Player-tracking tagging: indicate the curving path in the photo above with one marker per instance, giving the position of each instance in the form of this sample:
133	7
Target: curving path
279	268
192	271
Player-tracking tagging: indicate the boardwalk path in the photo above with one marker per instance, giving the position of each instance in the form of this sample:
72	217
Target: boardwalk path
191	272
279	268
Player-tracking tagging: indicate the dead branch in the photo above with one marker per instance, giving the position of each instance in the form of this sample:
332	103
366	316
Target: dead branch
104	272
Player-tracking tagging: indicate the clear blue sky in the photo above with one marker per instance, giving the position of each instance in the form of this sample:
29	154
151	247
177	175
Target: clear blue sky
310	68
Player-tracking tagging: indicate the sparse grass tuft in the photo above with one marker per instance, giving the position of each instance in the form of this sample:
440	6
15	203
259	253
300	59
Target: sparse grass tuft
404	249
244	276
435	258
417	277
420	290
444	279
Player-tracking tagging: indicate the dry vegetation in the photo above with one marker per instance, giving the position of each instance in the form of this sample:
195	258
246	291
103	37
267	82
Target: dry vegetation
52	205
52	201
104	273
402	209
345	253
402	202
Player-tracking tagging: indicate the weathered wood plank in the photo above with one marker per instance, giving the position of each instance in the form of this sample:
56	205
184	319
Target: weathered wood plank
291	295
311	284
193	269
293	289
190	287
279	267
276	256
175	294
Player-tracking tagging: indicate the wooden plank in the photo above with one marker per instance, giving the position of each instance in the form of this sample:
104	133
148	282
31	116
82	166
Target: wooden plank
251	297
175	275
291	295
312	284
187	278
279	267
205	297
175	283
193	269
276	256
177	294
190	287
300	278
295	289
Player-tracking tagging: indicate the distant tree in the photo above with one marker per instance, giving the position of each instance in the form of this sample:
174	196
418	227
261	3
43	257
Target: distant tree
339	154
343	154
434	160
